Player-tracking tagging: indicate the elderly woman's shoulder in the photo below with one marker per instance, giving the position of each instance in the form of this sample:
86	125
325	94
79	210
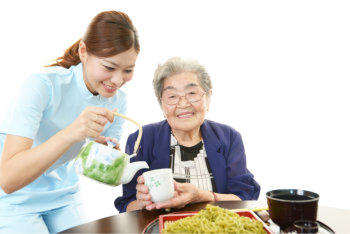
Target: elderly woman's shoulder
155	125
156	128
219	127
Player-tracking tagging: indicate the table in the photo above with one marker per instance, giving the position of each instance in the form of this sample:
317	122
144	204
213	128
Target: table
136	221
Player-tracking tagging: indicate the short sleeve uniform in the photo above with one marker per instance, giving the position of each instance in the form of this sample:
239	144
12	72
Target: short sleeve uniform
47	103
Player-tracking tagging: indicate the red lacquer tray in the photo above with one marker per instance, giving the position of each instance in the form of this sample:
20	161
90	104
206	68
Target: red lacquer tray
176	216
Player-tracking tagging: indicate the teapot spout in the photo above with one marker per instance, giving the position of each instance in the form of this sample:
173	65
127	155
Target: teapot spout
131	169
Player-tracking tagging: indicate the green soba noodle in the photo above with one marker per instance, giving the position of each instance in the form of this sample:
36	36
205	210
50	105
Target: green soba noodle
214	219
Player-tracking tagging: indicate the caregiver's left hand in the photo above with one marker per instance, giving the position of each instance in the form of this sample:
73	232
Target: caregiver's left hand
103	140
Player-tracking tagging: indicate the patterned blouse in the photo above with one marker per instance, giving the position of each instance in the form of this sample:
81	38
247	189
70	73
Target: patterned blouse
190	165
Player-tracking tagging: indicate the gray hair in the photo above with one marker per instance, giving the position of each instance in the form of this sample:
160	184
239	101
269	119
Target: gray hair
176	65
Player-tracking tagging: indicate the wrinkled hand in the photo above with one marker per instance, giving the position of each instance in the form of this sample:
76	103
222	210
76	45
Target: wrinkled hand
143	198
90	123
184	194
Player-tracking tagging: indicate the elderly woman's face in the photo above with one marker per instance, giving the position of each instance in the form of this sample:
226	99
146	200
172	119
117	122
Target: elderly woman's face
189	112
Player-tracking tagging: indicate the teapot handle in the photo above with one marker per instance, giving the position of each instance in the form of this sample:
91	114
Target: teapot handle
137	143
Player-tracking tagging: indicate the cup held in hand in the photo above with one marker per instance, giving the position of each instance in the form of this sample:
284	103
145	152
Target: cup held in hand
160	184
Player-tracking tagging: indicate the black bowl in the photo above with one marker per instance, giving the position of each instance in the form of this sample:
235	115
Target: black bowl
289	205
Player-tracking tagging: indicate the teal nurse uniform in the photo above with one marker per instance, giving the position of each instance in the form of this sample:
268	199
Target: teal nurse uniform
47	103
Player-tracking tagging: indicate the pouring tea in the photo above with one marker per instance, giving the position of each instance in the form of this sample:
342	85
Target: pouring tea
108	165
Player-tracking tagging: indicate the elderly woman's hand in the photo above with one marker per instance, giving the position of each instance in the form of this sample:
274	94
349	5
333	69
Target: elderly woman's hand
185	193
143	198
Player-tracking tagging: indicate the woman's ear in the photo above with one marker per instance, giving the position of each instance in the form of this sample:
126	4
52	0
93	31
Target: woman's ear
82	51
209	98
162	109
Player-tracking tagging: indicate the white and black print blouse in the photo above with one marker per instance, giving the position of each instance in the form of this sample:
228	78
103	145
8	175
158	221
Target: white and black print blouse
190	165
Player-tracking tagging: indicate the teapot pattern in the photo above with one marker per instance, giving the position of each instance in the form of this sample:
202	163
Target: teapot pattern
102	163
108	165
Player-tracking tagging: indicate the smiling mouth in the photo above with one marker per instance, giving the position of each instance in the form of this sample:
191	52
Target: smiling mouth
185	115
109	89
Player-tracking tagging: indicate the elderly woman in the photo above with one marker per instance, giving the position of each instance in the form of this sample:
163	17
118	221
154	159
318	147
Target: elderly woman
207	158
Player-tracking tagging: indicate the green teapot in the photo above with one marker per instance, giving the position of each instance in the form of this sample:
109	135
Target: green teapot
108	165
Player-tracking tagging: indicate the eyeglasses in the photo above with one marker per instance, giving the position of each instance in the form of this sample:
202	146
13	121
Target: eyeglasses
191	97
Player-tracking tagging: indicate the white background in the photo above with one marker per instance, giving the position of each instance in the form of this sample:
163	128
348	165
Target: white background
280	72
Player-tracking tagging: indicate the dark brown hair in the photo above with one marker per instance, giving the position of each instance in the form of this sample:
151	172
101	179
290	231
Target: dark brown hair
108	34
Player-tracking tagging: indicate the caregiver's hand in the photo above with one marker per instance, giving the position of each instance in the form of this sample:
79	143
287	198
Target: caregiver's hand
104	140
185	193
90	123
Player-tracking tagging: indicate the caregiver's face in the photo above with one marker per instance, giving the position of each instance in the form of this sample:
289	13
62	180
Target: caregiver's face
184	102
104	76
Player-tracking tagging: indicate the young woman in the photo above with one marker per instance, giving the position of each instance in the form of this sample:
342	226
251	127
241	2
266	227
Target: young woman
53	115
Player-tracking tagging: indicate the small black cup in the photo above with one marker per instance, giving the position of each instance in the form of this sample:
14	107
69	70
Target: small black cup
305	226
